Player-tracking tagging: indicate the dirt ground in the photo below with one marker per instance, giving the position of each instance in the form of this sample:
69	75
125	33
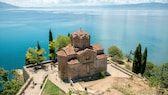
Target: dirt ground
111	85
119	86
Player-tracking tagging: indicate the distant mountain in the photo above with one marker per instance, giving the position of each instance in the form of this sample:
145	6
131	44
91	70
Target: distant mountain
149	6
140	6
5	5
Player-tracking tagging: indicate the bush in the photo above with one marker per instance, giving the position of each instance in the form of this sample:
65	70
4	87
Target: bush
118	61
128	67
102	74
114	51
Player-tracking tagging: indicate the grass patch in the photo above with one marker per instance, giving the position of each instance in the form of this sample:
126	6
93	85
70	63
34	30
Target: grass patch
52	89
125	91
127	66
117	60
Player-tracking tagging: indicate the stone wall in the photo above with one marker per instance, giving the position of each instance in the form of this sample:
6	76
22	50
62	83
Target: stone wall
62	67
26	75
101	65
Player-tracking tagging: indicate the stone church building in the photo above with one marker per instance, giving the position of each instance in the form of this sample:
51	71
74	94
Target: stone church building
80	58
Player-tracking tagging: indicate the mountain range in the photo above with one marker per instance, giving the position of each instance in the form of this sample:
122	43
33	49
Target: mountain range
5	5
127	6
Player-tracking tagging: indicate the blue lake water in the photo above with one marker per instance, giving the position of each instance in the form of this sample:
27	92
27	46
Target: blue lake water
22	28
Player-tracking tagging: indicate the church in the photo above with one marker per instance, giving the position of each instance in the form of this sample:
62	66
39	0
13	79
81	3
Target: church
80	58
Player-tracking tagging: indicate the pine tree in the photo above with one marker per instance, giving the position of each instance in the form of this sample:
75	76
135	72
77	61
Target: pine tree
143	63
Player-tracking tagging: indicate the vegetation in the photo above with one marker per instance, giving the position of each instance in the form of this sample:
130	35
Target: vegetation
51	45
61	41
125	91
52	89
9	87
128	56
3	76
115	52
164	76
139	62
127	66
102	74
35	56
157	75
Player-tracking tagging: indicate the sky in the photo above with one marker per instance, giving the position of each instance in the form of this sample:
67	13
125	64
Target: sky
50	3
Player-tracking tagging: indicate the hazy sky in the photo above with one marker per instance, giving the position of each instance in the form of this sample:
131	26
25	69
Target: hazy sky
46	3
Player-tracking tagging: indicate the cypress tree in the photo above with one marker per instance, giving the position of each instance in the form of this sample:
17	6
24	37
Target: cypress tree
51	50
137	60
38	46
143	64
50	35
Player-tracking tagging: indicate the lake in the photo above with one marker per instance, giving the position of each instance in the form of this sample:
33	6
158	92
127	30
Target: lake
125	28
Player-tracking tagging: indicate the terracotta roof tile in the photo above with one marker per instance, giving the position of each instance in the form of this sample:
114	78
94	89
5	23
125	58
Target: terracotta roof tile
74	61
69	50
61	53
101	56
97	47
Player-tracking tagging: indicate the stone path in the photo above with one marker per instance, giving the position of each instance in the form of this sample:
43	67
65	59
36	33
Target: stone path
38	79
64	86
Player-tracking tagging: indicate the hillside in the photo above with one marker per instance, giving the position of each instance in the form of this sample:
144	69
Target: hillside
5	5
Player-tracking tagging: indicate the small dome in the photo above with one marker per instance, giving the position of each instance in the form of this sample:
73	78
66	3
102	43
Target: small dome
80	34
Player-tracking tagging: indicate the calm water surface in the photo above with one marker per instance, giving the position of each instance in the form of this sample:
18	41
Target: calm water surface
21	29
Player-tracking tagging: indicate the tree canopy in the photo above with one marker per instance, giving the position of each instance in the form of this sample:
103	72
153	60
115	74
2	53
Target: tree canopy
139	62
61	41
3	76
157	75
11	87
164	75
35	56
114	51
51	46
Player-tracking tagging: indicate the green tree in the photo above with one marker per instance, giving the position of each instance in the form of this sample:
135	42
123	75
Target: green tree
135	61
31	56
143	62
51	45
39	53
138	66
149	69
164	76
50	36
35	56
61	41
11	87
3	76
114	51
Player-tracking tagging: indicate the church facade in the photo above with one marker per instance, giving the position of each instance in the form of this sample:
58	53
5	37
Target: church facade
80	58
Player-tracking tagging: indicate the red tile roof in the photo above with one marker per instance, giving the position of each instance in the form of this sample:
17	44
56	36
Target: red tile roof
69	50
74	61
61	53
97	47
101	56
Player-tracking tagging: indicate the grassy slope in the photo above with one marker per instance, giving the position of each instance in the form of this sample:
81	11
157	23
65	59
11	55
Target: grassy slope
52	89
